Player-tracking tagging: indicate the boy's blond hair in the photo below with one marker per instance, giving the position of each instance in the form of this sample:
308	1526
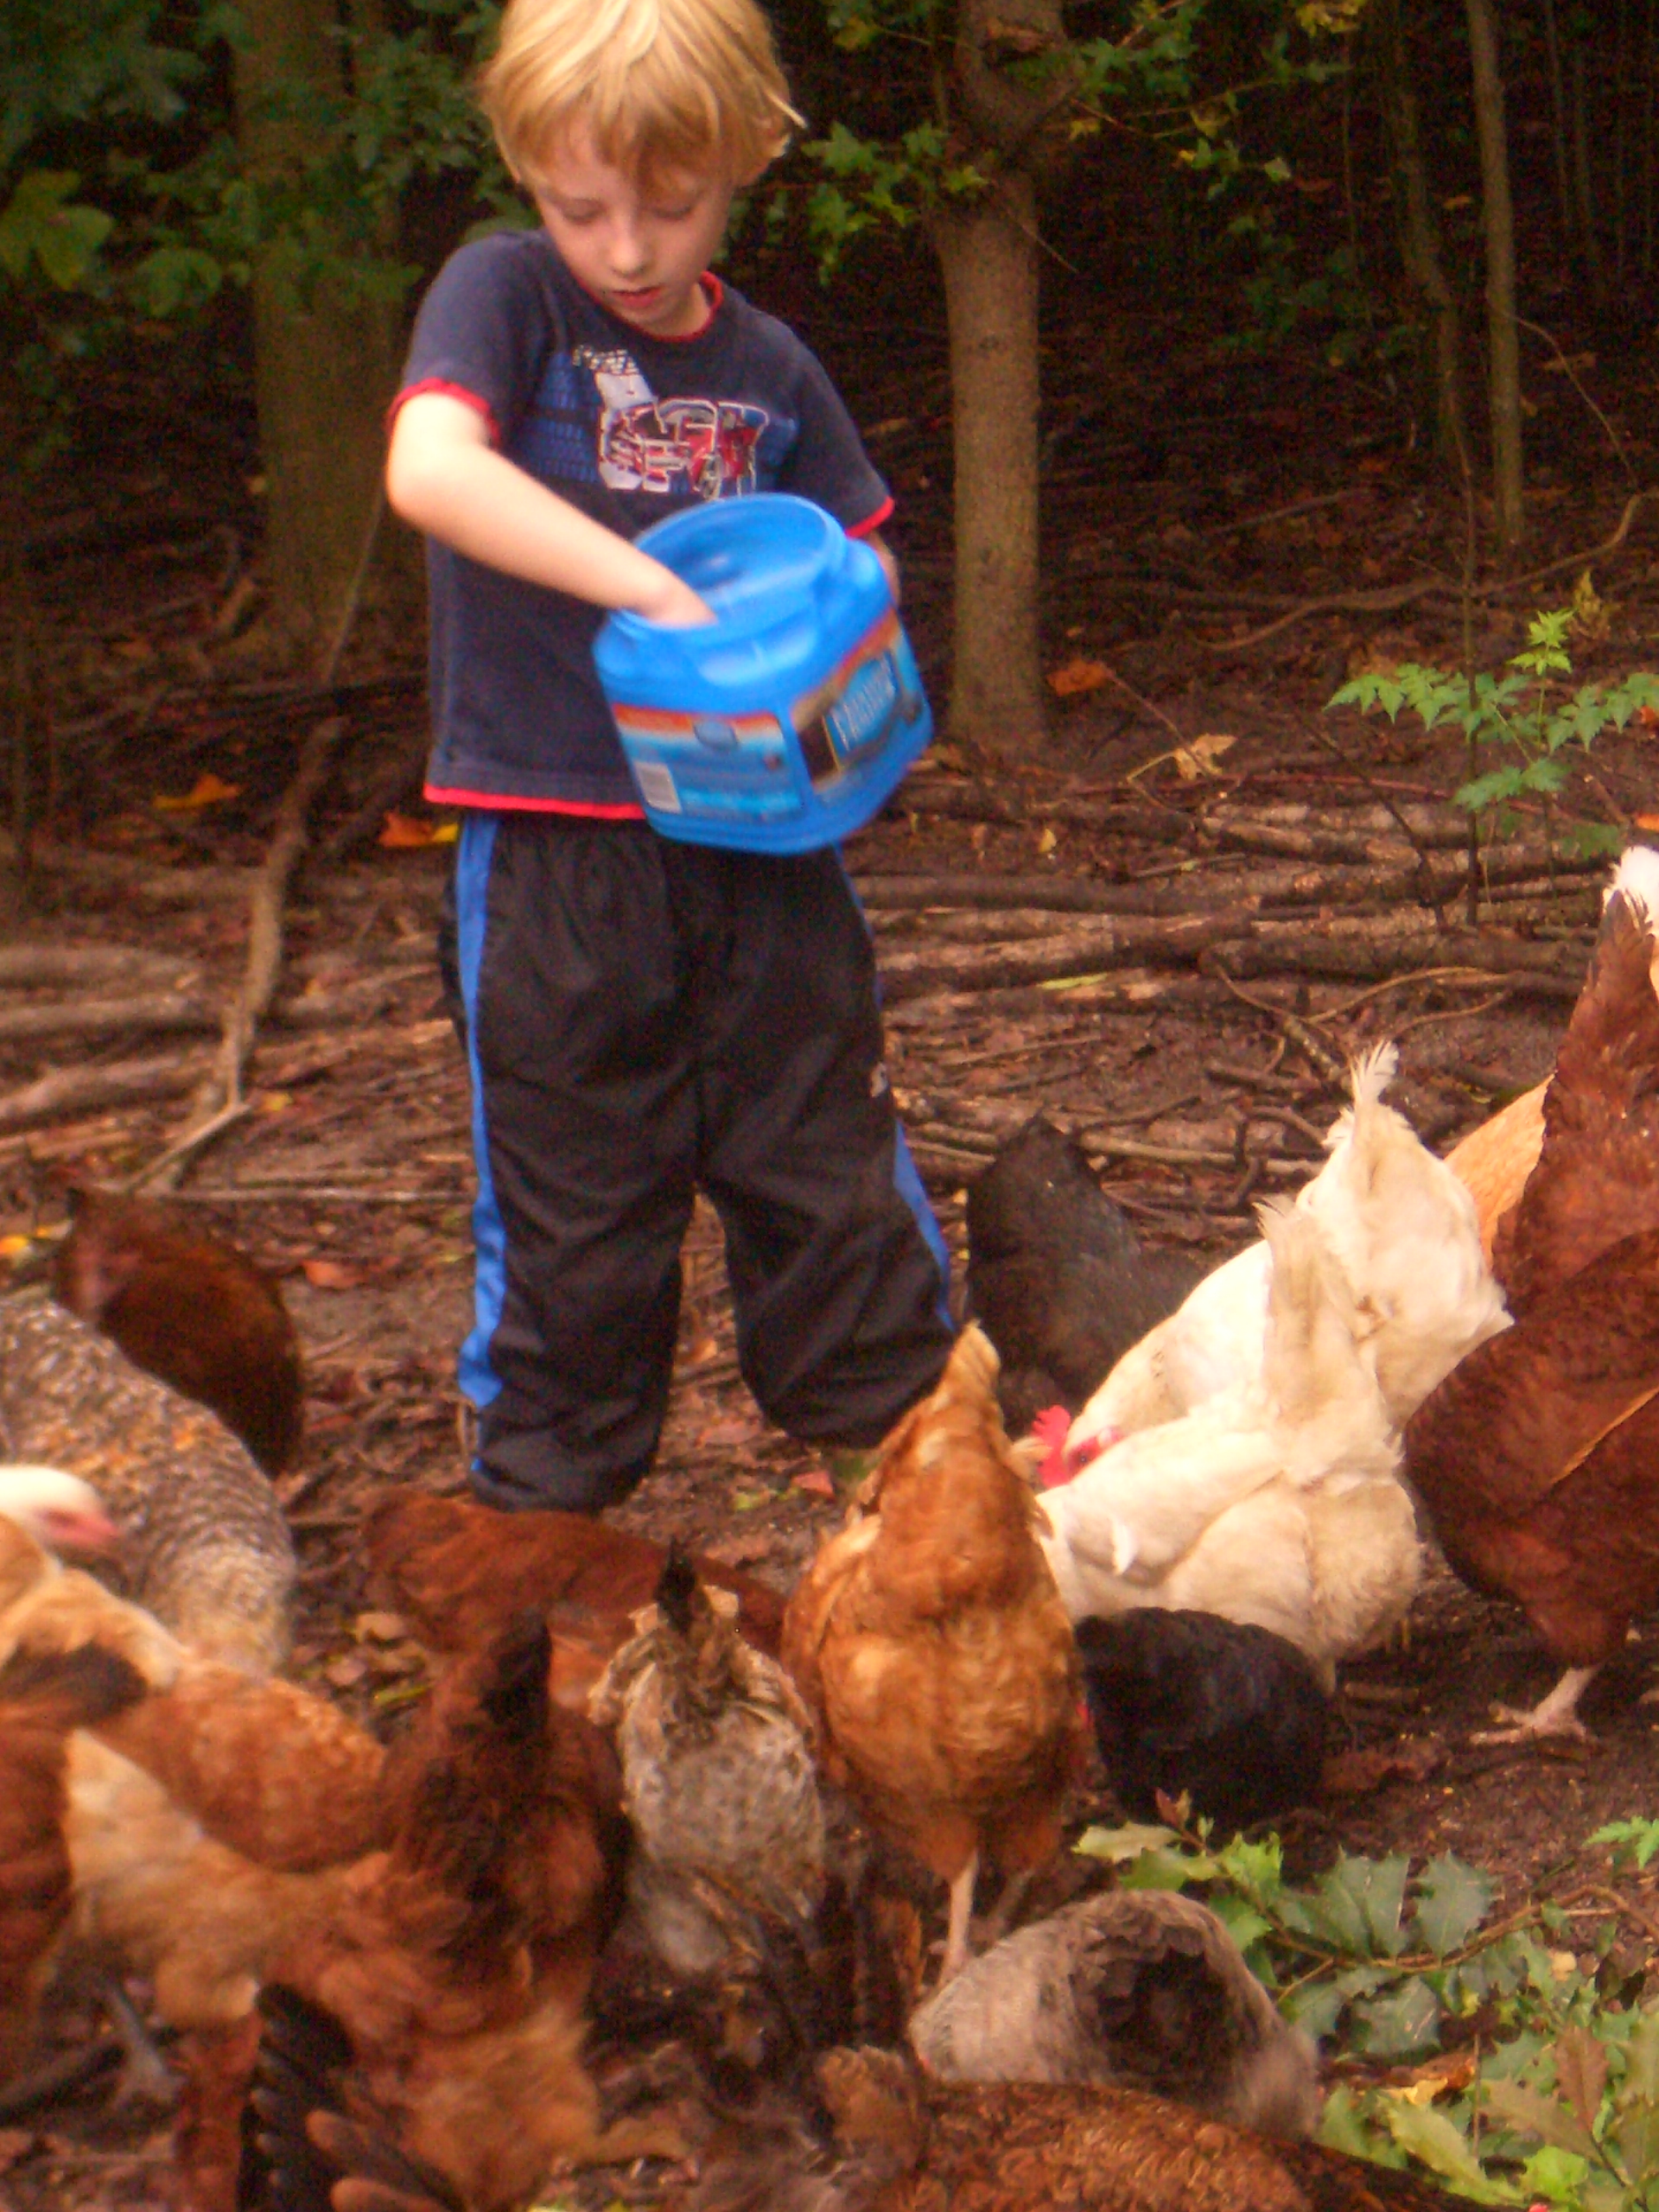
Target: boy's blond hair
658	85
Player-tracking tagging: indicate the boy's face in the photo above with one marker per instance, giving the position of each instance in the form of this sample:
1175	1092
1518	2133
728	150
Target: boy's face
640	249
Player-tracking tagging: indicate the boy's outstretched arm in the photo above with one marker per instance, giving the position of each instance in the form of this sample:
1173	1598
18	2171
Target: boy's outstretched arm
443	475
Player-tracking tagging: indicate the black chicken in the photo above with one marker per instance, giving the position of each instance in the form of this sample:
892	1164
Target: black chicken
1057	1275
1223	1710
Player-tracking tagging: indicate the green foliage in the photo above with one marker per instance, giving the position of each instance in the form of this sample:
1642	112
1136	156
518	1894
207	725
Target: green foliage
1557	2099
900	148
1521	713
40	225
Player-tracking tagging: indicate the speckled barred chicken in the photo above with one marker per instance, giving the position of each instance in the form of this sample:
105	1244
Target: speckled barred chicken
204	1542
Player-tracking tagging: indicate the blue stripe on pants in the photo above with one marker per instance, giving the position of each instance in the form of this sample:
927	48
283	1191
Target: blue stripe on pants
479	1380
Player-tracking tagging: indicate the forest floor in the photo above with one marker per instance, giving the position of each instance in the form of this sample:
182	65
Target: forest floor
1192	499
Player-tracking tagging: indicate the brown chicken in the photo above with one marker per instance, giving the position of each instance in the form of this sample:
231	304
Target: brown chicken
455	1571
272	1771
1493	1161
190	1309
909	2146
1533	1459
1597	1179
457	1961
204	1546
41	1700
930	1642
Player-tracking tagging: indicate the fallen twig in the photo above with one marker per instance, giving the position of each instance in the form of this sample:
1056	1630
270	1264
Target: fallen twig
216	1105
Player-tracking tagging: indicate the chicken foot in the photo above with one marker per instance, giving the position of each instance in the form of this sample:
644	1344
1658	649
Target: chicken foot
1555	1715
145	2078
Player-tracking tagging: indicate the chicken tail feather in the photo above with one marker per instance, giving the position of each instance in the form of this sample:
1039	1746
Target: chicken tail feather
677	1588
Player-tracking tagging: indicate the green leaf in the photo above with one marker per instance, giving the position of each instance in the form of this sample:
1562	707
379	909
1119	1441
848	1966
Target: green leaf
1346	2125
1642	2061
1634	2133
1635	1840
1433	2138
1451	1900
1239	1918
1406	2018
1118	1845
1364	1898
1558	2174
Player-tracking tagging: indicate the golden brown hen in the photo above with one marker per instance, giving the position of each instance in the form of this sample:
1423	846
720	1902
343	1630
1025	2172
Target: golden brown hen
1533	1458
930	1642
189	1308
41	1700
1493	1161
457	1961
915	2147
455	1571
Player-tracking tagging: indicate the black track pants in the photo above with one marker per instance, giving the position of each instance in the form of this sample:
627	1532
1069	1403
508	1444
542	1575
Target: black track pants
644	1018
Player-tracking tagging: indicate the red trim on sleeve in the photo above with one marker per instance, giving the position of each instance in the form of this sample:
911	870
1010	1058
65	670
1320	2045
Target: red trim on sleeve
450	391
871	522
506	803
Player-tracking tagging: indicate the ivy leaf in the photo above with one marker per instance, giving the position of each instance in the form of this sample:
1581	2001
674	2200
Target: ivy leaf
1453	1899
1406	2019
1366	1897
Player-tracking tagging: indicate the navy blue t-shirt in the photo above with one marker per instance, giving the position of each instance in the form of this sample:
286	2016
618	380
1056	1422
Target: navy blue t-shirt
628	427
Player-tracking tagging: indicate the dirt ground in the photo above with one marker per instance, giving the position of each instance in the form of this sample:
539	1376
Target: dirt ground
1182	477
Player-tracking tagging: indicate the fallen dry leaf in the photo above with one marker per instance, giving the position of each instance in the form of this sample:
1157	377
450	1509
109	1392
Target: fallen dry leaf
413	833
208	790
815	1483
1200	757
1353	1774
741	1551
335	1274
1078	676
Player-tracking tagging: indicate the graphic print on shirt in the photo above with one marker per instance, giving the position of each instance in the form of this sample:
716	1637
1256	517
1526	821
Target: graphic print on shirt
647	444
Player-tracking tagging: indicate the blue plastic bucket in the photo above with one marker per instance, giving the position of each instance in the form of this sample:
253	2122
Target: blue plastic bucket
789	721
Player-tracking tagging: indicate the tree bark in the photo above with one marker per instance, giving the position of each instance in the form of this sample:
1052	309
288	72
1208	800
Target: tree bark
324	351
1498	222
988	251
1419	236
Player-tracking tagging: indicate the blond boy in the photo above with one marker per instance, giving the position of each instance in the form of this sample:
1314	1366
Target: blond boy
642	1017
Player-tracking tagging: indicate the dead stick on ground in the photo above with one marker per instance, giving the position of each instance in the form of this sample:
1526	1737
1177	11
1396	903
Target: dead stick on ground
221	1102
1329	1062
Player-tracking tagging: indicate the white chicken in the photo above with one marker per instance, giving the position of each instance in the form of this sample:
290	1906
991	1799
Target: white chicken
1404	1231
1274	1500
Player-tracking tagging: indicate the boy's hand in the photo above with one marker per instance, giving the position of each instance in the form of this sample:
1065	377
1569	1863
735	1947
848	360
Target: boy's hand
671	603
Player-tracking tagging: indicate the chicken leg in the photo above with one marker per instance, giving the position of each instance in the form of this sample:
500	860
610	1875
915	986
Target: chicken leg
962	1907
1555	1715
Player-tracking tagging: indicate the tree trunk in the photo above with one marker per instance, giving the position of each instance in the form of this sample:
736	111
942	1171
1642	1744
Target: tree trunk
324	353
987	250
1498	223
1419	236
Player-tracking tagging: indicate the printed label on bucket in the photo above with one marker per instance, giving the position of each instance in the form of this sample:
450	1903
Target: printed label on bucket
711	767
841	721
